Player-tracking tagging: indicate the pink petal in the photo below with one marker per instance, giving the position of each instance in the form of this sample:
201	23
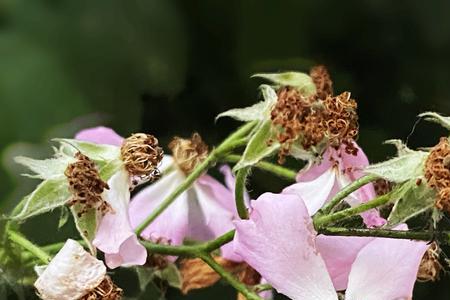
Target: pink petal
314	193
312	170
385	269
100	135
215	219
339	253
278	242
130	254
172	225
114	235
354	162
220	193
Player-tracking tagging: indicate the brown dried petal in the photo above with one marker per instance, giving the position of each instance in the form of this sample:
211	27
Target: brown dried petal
106	290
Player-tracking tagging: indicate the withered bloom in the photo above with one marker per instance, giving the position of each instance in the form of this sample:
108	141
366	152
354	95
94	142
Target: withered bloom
430	267
437	173
188	153
75	274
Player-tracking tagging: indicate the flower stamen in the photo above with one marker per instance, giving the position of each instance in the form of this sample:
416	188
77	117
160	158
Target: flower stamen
188	153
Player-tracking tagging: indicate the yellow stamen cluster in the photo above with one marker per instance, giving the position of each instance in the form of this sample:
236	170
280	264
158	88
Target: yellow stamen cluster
188	153
141	154
106	290
86	185
312	119
437	173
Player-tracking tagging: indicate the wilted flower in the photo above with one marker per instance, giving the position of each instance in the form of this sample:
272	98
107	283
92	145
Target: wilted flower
141	155
75	274
337	169
203	212
282	247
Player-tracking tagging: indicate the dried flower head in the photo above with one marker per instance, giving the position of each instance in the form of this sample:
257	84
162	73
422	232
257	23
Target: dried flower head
322	81
312	119
86	185
430	266
142	155
106	290
188	153
197	274
437	173
341	121
248	276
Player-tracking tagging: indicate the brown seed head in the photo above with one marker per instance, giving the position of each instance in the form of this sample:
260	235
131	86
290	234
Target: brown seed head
142	155
86	185
197	274
188	153
429	266
106	290
322	81
437	173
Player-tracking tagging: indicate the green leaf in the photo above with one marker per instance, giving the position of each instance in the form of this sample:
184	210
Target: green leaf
52	168
258	111
300	81
48	195
402	149
145	276
110	168
86	224
97	152
436	118
258	147
401	168
171	274
414	200
64	217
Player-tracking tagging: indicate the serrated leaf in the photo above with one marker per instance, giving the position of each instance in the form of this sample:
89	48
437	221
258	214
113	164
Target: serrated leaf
86	224
97	152
436	118
300	81
63	217
171	275
258	111
258	146
48	195
400	169
415	199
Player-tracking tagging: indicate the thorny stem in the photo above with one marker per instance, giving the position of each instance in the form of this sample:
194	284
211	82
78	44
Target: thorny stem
320	220
440	236
242	288
29	246
233	141
266	166
239	192
342	194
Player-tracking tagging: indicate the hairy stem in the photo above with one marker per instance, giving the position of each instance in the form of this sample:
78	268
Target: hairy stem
320	220
266	166
346	191
239	192
227	145
242	288
441	236
29	246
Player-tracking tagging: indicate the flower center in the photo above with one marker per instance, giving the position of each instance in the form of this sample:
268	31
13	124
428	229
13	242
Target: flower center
86	185
141	155
437	173
106	290
188	153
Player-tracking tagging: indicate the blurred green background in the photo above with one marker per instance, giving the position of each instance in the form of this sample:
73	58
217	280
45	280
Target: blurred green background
169	67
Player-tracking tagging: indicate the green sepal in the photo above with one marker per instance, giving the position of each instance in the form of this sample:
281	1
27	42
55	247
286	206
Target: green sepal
301	81
86	224
436	118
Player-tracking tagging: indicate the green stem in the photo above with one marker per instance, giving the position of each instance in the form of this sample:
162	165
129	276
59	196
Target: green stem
262	287
242	288
320	220
342	194
239	192
29	246
441	236
189	250
266	166
227	145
